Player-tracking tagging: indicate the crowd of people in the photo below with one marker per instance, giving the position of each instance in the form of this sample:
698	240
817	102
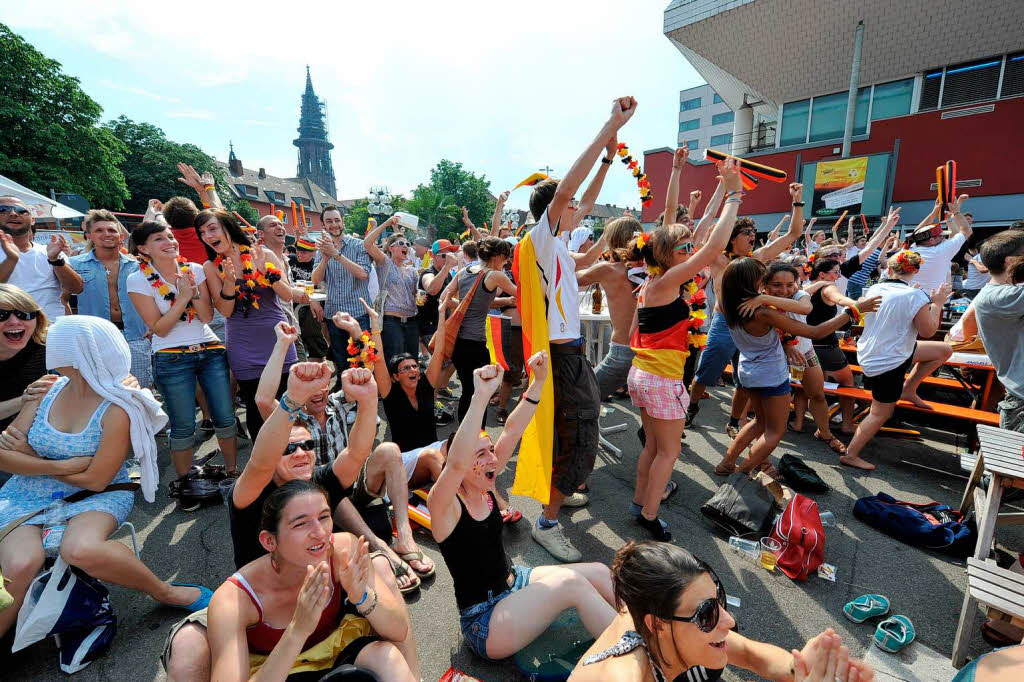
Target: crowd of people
198	309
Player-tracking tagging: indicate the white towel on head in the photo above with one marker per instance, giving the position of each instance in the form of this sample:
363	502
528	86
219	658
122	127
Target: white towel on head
578	236
96	348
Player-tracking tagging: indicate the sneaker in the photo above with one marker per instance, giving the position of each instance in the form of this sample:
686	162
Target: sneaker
691	413
554	541
577	499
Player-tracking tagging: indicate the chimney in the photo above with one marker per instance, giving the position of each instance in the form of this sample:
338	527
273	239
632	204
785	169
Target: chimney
263	173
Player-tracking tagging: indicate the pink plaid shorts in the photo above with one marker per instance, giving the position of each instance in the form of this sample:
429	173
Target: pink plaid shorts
662	397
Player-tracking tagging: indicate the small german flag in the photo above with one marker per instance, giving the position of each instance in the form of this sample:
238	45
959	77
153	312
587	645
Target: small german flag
531	181
755	169
497	331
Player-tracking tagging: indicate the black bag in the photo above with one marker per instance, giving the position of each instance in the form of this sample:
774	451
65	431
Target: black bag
799	476
742	506
200	484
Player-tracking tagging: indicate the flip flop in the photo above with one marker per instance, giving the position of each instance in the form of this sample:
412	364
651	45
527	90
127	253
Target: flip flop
671	489
866	606
417	556
401	571
894	634
205	594
511	515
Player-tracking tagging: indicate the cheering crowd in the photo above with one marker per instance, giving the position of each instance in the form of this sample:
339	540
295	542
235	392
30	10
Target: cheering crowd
194	307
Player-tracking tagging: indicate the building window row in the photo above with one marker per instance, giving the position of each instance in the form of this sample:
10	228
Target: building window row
690	104
823	118
692	124
716	99
724	117
725	138
974	81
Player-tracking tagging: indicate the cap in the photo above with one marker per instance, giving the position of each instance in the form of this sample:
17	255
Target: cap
443	246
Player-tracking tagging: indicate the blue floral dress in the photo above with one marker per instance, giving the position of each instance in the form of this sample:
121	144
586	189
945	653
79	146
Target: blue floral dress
23	494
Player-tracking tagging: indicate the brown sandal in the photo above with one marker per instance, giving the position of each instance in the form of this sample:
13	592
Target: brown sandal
770	471
833	443
719	471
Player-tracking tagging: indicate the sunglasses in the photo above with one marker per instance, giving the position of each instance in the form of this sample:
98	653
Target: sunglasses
685	248
706	615
401	242
408	368
7	208
307	444
749	231
20	314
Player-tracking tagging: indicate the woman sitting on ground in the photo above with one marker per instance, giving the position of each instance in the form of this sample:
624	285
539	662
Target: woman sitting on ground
503	607
673	624
312	595
756	322
78	438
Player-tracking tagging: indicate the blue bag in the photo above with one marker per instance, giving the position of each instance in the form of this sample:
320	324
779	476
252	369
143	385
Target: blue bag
929	525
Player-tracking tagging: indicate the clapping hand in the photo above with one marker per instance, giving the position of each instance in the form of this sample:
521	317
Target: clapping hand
286	333
352	569
941	295
10	248
306	378
326	246
314	596
186	286
227	271
358	385
57	245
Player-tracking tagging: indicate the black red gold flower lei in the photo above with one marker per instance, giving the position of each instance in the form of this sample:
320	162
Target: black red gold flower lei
245	288
696	298
641	178
733	256
362	351
155	281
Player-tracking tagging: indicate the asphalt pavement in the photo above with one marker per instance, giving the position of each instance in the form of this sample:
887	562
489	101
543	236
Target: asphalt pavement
926	586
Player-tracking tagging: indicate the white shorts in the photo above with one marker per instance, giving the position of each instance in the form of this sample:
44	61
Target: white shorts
409	458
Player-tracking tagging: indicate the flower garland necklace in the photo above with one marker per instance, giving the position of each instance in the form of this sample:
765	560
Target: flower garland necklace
362	352
158	283
696	298
245	289
641	178
733	256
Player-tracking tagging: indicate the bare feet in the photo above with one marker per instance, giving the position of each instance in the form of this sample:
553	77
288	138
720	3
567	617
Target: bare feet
857	462
917	400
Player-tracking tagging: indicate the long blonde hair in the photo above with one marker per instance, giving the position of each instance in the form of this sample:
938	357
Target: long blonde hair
16	298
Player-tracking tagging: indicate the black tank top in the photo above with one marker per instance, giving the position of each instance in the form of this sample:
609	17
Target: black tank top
822	312
475	556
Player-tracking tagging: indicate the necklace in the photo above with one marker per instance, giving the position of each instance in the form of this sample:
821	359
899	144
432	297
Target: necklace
245	288
158	283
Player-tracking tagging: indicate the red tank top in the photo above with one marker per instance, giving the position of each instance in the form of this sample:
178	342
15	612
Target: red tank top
189	245
262	638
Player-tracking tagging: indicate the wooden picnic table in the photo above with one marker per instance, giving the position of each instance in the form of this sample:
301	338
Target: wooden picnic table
1001	457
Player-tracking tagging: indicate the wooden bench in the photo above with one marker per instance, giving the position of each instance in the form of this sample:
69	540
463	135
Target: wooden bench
999	589
938	382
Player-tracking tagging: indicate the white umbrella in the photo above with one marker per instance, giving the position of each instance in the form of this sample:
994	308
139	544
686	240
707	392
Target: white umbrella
41	206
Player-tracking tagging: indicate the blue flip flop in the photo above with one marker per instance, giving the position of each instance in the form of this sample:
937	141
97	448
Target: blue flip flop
205	594
866	606
894	633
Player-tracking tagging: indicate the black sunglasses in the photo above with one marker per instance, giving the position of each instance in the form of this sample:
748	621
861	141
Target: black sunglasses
705	617
20	314
307	444
7	208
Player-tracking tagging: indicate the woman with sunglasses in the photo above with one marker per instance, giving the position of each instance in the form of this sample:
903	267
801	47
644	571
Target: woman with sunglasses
660	343
399	278
673	624
22	352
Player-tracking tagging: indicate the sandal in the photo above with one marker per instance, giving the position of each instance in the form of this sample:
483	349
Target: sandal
770	471
511	515
719	471
494	400
401	571
671	489
833	443
409	557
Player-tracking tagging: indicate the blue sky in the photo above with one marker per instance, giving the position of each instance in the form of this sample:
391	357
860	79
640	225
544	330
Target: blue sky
505	89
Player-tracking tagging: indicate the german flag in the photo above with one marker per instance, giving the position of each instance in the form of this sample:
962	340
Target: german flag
531	180
945	179
755	169
497	330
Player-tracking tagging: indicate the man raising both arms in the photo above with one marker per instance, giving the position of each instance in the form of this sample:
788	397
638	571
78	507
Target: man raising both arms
575	388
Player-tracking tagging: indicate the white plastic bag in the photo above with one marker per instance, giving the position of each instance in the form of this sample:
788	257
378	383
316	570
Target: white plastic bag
43	605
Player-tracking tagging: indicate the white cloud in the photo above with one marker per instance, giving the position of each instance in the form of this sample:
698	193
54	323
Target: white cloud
198	114
141	92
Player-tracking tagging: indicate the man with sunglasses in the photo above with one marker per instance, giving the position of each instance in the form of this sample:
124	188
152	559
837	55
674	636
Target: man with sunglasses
937	251
40	270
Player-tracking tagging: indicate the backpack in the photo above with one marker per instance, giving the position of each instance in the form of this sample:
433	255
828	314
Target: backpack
799	530
741	506
929	525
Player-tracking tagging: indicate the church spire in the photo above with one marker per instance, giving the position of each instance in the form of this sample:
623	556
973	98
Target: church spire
314	146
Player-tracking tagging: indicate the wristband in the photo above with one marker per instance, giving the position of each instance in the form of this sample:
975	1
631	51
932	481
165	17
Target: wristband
373	605
207	187
290	406
376	332
530	400
366	595
58	262
735	191
228	298
799	204
608	161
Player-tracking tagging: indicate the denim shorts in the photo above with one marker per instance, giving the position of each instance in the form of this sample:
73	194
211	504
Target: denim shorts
475	620
717	352
772	391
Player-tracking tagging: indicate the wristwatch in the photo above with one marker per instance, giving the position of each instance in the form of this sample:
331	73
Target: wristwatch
798	204
58	262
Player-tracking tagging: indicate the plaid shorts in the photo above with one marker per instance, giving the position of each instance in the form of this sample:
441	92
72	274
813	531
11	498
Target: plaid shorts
662	397
142	361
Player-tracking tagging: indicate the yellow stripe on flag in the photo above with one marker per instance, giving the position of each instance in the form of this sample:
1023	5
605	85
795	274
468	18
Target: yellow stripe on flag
533	472
532	180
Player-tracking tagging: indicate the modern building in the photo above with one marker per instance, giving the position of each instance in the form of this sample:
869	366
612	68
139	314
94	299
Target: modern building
314	147
705	120
933	80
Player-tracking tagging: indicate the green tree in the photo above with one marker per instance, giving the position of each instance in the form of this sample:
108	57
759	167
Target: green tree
244	209
462	188
437	211
150	167
49	138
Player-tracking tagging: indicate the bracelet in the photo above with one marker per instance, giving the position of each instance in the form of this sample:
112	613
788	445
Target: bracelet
228	298
207	187
608	161
799	204
58	262
733	200
530	400
291	407
373	605
376	332
366	595
735	191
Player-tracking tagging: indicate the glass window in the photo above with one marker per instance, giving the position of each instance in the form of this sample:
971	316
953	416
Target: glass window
971	82
860	117
828	116
930	86
690	104
891	99
692	124
721	139
693	145
1013	75
716	99
794	122
724	117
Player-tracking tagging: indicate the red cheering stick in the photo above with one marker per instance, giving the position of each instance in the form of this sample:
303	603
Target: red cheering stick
864	224
945	180
756	170
245	222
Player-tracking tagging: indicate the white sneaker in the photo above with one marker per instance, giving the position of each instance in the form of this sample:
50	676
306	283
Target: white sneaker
577	499
554	541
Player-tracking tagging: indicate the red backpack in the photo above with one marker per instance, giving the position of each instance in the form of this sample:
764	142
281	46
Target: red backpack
802	536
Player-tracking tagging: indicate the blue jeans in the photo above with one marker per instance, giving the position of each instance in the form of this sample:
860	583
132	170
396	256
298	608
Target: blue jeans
717	353
475	620
176	375
400	337
339	341
613	371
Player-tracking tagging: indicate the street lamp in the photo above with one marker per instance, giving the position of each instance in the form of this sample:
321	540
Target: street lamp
379	201
510	216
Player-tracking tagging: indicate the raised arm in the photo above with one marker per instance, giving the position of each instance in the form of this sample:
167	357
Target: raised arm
881	234
700	235
270	378
435	368
777	230
523	412
585	260
770	251
932	217
370	240
849	235
956	219
623	109
807	237
499	206
359	388
204	185
474	232
69	280
433	283
691	208
589	199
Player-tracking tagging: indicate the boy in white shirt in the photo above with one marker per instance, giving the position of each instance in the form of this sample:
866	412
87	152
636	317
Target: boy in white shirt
936	251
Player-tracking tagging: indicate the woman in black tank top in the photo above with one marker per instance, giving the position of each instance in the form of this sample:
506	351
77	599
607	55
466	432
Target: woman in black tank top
503	607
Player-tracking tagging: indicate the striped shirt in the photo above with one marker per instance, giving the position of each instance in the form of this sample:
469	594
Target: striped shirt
870	263
330	440
343	289
400	283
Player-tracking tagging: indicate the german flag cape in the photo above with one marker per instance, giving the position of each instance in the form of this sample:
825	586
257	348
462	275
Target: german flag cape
533	472
497	330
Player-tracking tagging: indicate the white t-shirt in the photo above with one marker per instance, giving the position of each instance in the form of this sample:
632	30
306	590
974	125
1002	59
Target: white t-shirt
184	333
889	333
975	279
851	252
558	276
803	344
35	275
935	269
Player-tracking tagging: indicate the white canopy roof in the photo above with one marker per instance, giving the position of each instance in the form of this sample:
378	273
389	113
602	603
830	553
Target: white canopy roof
41	206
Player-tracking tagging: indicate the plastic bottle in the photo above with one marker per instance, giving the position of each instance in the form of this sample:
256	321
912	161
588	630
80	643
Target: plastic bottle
53	534
595	307
750	548
827	518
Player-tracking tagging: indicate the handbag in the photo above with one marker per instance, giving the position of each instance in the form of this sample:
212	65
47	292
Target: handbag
800	476
454	321
741	506
802	536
